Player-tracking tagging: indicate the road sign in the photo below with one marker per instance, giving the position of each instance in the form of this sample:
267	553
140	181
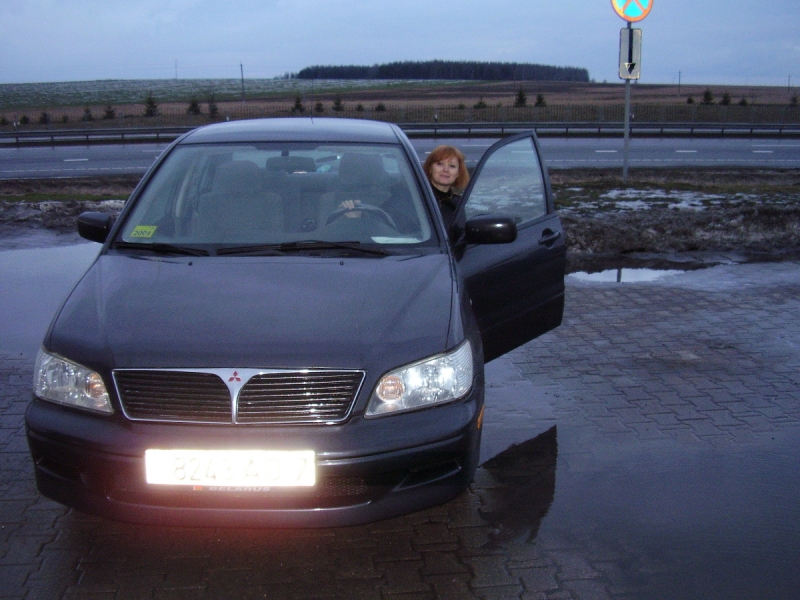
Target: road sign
632	10
630	53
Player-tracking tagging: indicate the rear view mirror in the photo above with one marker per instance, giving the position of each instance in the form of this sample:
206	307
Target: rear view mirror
490	229
95	226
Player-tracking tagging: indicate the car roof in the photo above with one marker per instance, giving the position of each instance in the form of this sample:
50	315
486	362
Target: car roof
296	129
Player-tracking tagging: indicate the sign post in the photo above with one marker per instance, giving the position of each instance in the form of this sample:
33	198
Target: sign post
630	58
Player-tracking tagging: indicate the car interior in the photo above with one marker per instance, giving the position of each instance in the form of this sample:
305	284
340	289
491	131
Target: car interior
247	195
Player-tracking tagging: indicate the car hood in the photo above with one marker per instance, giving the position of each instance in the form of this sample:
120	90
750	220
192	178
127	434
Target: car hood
256	312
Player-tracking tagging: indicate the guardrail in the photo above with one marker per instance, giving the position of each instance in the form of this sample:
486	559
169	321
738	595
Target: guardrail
543	129
89	136
601	129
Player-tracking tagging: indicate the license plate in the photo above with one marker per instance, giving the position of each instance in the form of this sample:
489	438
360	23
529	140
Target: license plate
231	468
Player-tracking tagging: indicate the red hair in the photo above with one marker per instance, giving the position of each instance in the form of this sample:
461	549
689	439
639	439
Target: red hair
443	153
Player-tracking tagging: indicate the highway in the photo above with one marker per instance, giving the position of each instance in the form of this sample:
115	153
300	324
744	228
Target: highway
560	153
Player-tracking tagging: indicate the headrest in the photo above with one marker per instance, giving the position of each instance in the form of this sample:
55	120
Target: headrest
239	177
363	170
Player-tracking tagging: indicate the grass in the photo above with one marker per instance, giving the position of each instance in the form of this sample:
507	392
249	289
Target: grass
81	188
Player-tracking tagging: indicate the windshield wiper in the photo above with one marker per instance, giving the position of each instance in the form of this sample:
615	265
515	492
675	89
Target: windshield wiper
302	246
161	248
261	249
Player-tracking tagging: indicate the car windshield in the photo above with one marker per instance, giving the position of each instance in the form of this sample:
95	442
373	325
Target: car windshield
280	197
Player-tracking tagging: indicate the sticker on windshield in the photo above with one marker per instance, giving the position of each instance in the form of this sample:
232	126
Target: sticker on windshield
143	231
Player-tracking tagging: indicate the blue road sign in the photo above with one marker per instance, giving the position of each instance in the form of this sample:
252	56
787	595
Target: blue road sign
632	10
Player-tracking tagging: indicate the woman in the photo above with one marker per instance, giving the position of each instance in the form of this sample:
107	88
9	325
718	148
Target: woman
448	175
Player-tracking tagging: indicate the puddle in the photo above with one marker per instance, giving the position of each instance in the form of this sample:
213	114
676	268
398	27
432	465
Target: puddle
680	522
676	522
516	490
626	275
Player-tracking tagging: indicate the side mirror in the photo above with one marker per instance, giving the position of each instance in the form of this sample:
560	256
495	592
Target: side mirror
95	226
490	229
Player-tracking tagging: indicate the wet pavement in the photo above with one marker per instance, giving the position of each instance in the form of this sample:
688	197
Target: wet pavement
648	448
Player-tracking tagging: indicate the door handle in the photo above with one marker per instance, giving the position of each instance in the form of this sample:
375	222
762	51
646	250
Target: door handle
549	237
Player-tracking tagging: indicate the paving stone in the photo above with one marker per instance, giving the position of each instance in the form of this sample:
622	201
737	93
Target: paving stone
403	577
705	365
447	587
505	592
588	590
490	571
538	579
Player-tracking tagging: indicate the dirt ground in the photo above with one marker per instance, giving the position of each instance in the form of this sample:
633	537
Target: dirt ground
561	92
663	217
450	94
693	217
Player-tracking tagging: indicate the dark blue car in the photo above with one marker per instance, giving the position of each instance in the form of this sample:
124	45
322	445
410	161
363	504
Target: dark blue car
244	351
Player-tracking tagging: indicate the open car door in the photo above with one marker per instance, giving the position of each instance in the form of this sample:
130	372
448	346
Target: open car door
516	288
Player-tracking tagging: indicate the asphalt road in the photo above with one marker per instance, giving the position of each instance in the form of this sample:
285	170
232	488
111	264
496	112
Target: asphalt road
559	153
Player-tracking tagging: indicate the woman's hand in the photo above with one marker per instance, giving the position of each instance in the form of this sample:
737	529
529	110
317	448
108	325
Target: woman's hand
350	205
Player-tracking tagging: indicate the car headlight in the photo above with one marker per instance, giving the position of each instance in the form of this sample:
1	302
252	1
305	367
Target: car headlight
59	380
438	379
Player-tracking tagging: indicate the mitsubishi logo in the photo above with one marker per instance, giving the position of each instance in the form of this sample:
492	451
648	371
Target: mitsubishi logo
235	379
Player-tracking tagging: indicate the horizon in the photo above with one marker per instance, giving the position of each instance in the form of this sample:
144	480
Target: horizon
364	83
717	42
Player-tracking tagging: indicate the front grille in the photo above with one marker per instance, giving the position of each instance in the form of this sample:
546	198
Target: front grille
174	396
316	397
265	397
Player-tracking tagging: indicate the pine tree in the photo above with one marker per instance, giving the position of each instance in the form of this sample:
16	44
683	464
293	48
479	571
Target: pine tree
194	107
150	106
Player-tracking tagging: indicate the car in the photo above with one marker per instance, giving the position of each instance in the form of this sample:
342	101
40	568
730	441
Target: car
246	352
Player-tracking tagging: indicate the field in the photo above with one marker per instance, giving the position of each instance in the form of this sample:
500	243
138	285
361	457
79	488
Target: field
116	103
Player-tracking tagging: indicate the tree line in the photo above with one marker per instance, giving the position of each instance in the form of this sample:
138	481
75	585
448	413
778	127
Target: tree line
452	70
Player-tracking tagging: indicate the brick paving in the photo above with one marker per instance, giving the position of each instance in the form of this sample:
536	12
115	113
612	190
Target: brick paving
644	385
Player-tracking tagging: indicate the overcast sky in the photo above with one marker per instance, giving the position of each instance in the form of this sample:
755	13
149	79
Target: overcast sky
730	42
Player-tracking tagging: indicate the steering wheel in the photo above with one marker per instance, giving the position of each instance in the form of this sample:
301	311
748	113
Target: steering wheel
369	210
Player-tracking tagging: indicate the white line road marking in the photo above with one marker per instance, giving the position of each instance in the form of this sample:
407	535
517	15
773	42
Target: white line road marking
76	160
686	151
662	161
606	151
763	152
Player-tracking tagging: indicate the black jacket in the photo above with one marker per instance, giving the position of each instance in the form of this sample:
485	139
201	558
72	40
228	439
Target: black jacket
449	204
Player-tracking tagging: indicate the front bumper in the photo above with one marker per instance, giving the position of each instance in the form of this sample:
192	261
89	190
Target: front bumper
367	470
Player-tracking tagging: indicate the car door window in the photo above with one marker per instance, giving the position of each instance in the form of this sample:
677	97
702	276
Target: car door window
511	183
